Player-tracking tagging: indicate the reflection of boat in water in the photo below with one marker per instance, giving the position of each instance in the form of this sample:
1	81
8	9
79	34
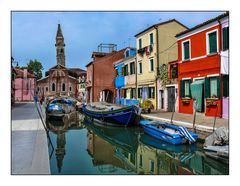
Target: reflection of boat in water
111	114
113	147
125	138
159	144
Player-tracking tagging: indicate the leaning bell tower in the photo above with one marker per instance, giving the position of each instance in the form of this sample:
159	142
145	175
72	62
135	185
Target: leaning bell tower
60	46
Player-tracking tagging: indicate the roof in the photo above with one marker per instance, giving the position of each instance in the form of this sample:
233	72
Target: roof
20	73
203	24
59	31
162	23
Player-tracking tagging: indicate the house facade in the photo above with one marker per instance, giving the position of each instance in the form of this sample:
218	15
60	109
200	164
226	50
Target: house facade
125	82
156	46
24	85
199	62
101	76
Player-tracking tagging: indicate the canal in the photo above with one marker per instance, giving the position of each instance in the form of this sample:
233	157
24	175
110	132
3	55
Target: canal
81	147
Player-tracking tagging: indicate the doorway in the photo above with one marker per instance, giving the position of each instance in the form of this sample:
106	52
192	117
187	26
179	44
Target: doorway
171	99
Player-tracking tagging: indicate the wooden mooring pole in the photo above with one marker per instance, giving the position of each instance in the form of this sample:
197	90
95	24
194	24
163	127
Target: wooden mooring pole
215	118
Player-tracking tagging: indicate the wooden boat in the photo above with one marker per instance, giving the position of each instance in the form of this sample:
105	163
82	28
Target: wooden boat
167	132
111	114
59	107
217	145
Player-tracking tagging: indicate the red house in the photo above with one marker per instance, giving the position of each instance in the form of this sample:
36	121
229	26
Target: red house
101	75
200	81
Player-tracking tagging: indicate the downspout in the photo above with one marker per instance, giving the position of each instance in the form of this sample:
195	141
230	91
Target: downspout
136	77
221	76
92	84
157	66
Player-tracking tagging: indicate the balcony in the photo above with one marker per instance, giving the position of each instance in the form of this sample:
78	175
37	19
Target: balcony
119	82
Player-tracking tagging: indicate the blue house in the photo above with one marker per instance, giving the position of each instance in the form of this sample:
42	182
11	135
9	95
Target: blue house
119	80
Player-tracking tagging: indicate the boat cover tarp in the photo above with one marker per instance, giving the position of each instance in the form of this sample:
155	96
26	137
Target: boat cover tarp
218	137
197	93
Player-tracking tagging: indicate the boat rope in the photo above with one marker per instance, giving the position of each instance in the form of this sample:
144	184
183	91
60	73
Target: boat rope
184	133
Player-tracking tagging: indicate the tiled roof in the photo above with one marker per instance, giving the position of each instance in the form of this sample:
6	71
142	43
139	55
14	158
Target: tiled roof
158	24
203	24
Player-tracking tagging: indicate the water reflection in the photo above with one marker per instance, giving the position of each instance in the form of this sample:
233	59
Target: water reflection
115	150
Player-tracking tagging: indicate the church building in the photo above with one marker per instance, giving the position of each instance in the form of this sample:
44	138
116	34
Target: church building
60	80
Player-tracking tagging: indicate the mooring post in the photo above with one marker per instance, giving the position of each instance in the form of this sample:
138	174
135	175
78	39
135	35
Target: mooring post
215	118
194	116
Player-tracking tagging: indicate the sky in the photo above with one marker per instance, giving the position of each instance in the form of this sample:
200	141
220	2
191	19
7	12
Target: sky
33	33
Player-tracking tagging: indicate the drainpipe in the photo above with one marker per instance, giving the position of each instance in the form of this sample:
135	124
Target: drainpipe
136	76
157	66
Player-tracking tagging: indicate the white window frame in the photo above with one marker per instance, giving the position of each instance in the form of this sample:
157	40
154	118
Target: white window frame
139	68
207	41
190	56
64	87
54	87
150	65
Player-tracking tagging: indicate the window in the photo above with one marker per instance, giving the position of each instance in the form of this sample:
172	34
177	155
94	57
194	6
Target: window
151	38
151	162
174	71
140	160
139	43
151	63
53	87
139	92
140	67
151	92
212	42
70	89
63	87
38	89
127	53
212	87
225	85
125	93
186	50
46	89
133	93
125	70
225	38
185	88
132	68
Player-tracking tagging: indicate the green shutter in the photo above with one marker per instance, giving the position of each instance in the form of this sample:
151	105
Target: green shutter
218	86
186	50
226	86
151	38
140	43
213	42
207	87
225	38
190	94
140	68
182	89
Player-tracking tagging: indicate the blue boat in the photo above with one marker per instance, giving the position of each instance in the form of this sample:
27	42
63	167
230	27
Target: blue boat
167	132
111	114
59	107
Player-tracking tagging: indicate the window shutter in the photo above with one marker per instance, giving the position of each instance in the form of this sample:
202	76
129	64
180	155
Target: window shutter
190	94
225	38
226	86
207	87
186	50
213	42
218	86
182	89
122	71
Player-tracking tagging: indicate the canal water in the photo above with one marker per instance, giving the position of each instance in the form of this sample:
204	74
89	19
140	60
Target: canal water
81	147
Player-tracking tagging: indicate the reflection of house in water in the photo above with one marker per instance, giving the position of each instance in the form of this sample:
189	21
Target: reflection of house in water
151	160
111	148
60	127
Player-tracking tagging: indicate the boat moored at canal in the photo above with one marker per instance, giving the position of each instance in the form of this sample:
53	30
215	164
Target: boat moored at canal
172	134
111	114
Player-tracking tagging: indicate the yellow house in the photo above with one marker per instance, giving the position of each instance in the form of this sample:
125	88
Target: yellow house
156	46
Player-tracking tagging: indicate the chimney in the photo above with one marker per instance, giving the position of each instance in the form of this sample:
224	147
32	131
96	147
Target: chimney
25	72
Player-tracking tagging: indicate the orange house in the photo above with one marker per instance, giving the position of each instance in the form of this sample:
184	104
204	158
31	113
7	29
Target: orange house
200	80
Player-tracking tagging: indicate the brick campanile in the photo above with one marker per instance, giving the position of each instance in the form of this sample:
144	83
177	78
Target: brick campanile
60	47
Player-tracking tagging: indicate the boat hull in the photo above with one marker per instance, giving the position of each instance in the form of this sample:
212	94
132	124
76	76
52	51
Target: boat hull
120	117
175	139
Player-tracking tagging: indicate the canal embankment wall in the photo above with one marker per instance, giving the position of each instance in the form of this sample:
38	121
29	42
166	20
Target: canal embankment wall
29	145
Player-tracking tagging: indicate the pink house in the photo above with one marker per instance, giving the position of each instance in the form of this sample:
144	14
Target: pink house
25	85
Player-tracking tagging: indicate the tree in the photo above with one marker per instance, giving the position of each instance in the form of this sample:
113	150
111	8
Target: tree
36	67
163	75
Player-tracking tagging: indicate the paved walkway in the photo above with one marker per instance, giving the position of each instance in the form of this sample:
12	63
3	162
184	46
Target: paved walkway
29	141
202	122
